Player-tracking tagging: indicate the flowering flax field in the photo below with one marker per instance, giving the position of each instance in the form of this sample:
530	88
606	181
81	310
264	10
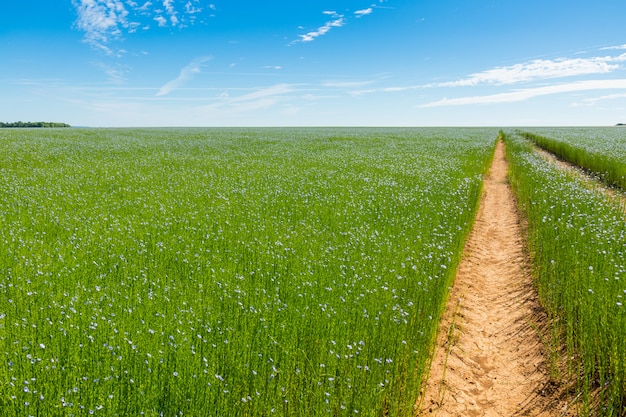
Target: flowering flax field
230	272
601	151
577	241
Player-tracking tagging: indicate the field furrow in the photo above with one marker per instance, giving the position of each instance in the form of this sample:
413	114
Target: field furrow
599	151
594	182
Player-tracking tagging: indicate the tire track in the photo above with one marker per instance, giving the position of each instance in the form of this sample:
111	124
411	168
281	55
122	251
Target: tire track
489	359
594	183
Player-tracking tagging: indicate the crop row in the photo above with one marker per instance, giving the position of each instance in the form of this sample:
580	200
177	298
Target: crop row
577	240
228	272
599	150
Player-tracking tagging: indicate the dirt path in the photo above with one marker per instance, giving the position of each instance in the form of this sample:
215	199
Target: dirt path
489	359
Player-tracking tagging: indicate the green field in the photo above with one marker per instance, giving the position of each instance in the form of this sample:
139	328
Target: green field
239	272
255	272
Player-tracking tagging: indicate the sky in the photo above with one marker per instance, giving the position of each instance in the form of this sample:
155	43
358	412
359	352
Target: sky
126	63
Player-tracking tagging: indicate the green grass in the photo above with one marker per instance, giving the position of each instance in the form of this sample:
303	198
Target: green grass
577	240
239	272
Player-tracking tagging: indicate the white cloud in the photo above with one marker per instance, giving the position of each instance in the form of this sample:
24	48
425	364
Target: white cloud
106	21
250	105
161	21
398	89
191	9
520	73
145	6
594	100
102	21
539	69
612	48
261	98
346	84
364	12
528	93
272	91
171	11
185	75
337	22
116	74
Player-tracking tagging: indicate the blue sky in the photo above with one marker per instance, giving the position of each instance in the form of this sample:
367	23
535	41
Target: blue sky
314	63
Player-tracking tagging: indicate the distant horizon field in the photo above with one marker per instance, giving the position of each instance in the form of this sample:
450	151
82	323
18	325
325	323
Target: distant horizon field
547	126
495	126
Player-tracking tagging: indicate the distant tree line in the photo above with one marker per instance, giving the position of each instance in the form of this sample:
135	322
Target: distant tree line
33	124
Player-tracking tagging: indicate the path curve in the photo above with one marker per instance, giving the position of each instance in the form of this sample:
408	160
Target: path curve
489	359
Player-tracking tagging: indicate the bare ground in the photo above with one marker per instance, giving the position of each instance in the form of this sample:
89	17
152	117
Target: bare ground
490	359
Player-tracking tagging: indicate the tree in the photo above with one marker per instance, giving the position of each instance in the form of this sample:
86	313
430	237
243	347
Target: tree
33	124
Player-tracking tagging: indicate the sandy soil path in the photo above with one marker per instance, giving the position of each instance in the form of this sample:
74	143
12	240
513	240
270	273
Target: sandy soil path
489	359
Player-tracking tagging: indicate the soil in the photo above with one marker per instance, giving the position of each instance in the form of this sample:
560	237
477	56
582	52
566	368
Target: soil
490	359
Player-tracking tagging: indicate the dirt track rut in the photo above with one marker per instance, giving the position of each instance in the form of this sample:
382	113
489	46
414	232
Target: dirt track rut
489	359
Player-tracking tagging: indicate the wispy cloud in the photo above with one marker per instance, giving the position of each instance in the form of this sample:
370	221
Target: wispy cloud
396	89
594	100
106	21
364	12
272	91
528	93
193	8
527	72
346	84
161	21
116	73
144	7
171	12
336	22
261	98
186	74
539	69
613	48
102	21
